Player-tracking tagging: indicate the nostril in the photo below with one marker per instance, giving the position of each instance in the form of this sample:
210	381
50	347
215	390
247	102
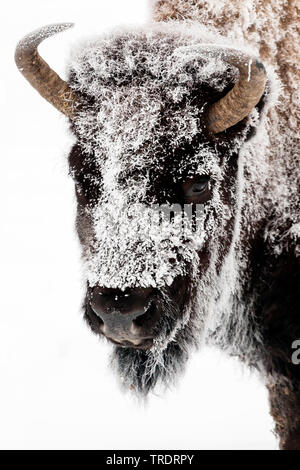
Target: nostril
101	325
146	318
94	320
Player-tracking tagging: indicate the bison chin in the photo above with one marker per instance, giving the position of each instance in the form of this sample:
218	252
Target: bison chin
141	370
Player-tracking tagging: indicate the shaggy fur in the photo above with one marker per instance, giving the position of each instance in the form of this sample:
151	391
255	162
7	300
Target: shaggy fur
271	27
141	133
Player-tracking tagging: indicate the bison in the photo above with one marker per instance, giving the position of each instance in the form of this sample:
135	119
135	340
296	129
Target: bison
196	112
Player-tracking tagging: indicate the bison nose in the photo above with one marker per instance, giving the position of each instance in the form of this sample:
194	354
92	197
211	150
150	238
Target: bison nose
126	317
129	302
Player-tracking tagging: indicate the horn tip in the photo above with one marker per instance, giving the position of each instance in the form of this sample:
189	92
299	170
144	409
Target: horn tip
34	38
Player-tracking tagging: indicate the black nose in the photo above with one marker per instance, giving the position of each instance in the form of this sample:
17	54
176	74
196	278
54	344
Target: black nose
127	317
129	302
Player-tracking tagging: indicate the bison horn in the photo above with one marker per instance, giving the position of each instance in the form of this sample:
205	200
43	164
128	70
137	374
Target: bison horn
40	75
245	94
243	97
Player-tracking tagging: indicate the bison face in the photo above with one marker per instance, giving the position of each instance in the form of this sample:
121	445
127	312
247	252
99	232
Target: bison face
154	240
157	199
158	183
149	233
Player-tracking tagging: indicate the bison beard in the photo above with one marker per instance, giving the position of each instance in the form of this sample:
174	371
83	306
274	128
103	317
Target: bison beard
179	329
141	371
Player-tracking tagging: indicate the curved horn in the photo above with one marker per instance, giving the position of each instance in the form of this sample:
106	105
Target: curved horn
243	97
245	94
40	75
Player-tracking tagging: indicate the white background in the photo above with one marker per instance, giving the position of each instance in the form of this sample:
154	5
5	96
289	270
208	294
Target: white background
56	388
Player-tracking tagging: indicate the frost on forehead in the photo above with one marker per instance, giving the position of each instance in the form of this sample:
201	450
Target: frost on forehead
142	91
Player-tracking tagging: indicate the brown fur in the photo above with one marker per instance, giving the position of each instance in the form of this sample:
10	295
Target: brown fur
272	28
287	58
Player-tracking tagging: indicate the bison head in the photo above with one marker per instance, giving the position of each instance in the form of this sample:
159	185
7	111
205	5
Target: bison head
160	118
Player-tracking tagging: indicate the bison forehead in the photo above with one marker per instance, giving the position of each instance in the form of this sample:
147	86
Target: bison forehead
140	93
131	124
141	57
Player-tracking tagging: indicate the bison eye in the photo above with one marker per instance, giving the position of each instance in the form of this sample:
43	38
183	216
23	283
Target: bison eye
196	189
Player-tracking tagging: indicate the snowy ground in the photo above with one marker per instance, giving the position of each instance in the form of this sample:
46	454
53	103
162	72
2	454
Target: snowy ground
56	388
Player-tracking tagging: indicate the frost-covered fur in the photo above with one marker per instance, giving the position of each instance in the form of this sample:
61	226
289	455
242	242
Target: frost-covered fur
141	133
271	29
